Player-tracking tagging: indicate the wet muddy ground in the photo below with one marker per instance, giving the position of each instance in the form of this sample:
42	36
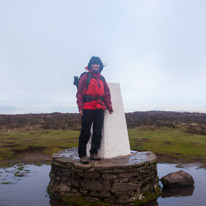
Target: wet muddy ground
26	185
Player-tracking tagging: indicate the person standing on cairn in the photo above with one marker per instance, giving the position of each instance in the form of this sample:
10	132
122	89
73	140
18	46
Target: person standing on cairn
93	97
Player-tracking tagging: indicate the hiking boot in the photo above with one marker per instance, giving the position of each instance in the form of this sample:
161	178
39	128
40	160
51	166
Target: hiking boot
94	157
84	160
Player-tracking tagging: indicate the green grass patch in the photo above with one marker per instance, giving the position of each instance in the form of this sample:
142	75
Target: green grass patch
13	144
170	144
148	196
20	168
5	183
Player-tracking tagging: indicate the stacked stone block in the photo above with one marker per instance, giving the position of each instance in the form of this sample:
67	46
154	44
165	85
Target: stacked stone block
119	181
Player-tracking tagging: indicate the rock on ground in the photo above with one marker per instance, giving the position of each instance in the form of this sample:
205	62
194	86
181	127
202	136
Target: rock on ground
177	180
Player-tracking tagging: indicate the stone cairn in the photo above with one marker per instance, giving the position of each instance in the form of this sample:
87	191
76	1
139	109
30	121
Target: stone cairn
119	181
120	178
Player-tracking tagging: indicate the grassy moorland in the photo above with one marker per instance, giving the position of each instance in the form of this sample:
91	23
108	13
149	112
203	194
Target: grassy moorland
30	146
172	136
168	144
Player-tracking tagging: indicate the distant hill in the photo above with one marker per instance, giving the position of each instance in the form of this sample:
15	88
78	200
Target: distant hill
50	121
191	122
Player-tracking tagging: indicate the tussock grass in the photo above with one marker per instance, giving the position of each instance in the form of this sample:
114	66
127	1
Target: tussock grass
168	144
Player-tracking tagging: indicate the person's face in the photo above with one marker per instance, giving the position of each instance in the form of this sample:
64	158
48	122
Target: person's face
95	67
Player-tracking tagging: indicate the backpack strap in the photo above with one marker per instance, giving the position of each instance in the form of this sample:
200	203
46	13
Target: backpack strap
89	77
102	78
76	79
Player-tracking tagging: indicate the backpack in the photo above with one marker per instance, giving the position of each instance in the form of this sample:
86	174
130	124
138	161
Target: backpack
89	77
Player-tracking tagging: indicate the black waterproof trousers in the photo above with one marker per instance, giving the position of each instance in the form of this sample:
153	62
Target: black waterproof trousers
97	118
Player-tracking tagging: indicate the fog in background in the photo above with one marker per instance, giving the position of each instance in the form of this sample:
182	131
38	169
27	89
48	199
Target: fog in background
155	49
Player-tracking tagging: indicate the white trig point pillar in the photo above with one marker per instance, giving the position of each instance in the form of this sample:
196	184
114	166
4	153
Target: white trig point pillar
115	140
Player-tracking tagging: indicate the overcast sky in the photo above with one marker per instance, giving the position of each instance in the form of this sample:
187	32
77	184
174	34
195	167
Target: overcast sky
155	49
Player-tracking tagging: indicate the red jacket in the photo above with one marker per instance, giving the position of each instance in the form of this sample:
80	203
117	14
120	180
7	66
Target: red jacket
94	90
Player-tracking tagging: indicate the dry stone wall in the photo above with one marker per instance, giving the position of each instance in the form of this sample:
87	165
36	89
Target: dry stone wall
119	181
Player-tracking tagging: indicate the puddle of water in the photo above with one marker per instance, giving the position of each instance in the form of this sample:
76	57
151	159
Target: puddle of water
184	196
30	189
